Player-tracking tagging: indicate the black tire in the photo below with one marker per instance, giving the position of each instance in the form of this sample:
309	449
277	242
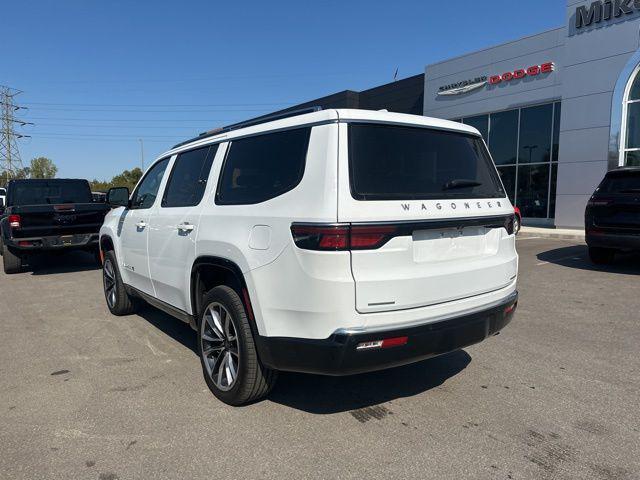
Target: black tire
118	300
516	224
252	380
11	262
601	256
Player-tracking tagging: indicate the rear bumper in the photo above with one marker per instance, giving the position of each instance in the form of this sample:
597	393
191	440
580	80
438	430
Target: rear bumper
54	242
630	241
338	355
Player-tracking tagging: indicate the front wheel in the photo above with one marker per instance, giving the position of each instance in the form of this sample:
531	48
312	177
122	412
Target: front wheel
228	354
118	300
601	256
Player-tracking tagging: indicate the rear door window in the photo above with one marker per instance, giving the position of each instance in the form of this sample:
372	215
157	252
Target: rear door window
188	179
390	162
263	167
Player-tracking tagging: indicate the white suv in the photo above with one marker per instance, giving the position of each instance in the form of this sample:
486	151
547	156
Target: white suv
332	242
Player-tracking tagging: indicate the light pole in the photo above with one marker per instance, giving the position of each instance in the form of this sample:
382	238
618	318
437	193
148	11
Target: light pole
141	153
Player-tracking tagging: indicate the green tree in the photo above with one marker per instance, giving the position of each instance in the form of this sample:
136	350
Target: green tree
128	178
42	167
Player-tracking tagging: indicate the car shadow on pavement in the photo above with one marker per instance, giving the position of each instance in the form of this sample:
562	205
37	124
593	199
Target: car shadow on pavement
174	328
577	256
326	395
62	263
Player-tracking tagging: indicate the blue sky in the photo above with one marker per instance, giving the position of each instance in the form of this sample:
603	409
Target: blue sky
99	76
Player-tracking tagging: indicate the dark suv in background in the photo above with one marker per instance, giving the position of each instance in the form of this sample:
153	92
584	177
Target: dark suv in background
612	217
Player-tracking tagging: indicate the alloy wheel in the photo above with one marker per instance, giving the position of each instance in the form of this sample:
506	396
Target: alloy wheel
219	346
110	285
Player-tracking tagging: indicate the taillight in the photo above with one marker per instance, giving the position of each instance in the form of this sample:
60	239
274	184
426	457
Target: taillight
14	221
371	237
321	237
341	237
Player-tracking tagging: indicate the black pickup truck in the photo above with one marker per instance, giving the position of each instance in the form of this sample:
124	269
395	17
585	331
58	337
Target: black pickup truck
48	215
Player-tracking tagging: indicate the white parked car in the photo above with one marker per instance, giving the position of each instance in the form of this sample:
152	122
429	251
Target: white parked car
332	242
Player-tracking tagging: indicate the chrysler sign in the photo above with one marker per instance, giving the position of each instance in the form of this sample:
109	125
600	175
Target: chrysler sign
467	86
602	10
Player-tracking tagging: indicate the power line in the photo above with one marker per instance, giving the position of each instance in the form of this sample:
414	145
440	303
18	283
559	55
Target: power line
10	161
145	111
160	105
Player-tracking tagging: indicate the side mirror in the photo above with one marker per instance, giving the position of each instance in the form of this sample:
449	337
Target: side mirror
118	197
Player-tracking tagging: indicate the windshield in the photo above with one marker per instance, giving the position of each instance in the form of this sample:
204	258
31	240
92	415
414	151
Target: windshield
390	162
629	182
50	192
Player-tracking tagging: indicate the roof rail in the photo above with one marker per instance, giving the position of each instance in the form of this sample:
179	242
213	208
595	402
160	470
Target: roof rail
251	122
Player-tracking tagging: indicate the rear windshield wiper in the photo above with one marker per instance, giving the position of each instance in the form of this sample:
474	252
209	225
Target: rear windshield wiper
460	183
631	190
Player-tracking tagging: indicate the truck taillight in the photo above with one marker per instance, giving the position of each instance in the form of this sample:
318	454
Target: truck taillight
14	221
341	237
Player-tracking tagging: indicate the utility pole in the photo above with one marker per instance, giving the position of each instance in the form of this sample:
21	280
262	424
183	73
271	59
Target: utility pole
141	154
10	162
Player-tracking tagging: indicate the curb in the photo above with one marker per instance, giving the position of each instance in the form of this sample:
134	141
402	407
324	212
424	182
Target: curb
551	234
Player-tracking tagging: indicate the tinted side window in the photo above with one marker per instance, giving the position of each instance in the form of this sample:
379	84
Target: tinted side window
188	179
260	168
147	190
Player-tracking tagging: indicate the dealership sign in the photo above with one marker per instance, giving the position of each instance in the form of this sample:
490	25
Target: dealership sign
603	10
463	87
467	86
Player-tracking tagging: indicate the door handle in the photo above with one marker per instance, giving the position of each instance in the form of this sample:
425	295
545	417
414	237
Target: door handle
141	225
186	227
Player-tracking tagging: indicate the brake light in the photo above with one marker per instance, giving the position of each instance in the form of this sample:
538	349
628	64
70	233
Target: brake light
341	237
321	237
14	221
371	237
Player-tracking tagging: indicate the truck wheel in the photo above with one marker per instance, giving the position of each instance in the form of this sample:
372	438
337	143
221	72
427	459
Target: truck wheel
228	354
12	263
601	256
118	300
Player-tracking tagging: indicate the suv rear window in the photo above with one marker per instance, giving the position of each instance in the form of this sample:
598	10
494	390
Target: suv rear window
628	182
263	167
43	192
389	162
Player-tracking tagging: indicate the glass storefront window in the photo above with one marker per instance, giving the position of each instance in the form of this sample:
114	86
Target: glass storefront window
552	190
634	93
535	134
633	125
632	158
557	110
524	144
480	122
533	190
503	137
508	176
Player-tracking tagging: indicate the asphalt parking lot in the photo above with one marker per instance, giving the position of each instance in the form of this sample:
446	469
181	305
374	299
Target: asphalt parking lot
84	394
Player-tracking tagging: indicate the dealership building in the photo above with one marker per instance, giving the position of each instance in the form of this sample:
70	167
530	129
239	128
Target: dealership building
557	109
